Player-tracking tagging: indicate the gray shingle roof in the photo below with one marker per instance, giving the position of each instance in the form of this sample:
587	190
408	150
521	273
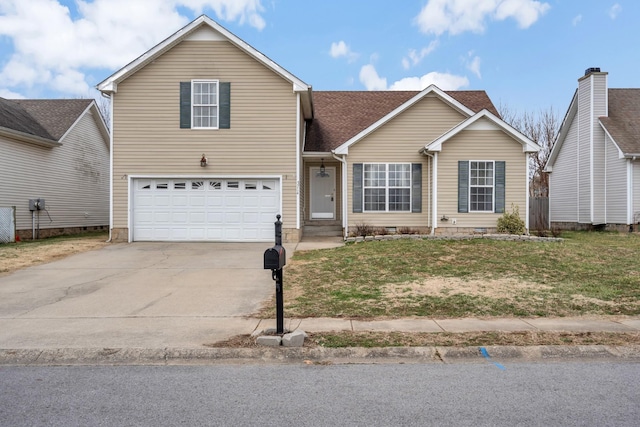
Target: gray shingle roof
340	115
44	118
623	122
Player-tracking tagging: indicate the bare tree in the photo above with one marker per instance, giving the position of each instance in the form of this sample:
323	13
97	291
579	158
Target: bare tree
104	106
542	128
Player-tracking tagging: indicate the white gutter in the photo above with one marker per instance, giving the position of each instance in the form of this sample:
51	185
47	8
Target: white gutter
591	154
630	190
344	193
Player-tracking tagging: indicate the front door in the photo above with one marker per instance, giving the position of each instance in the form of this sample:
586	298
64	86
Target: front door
323	193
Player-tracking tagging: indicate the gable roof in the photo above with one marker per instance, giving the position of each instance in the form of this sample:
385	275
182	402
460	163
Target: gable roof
44	121
623	122
110	84
491	122
341	116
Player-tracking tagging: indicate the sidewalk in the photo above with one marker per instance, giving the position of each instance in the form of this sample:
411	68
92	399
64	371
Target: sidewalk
557	324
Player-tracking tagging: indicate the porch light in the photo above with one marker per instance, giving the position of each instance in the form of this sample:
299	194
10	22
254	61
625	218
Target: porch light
322	168
203	160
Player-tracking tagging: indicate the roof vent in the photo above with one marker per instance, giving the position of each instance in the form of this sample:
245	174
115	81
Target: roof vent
591	70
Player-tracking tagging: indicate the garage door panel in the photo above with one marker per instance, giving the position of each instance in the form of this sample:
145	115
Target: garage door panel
205	209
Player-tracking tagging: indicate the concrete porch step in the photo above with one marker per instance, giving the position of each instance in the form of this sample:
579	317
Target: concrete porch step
322	230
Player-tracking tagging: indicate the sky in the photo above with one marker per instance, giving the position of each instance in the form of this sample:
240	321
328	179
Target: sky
527	54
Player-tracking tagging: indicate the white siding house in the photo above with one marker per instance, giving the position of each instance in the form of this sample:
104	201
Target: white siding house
56	151
594	162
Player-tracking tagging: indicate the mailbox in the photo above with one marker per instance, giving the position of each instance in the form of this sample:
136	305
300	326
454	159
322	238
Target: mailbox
275	258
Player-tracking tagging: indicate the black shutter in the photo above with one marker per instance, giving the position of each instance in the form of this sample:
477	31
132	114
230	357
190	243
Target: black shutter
185	105
416	187
357	187
500	186
463	186
225	105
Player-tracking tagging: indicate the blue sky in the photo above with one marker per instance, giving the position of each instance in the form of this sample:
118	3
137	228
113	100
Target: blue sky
527	54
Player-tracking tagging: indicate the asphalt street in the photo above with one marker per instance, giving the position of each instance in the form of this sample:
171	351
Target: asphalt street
478	394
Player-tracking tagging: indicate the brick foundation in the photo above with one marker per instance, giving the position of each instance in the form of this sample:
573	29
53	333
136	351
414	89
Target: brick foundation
51	232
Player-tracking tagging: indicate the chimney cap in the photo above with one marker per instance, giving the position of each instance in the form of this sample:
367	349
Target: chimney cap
591	70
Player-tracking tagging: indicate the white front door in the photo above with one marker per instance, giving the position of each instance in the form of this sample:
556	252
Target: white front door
323	193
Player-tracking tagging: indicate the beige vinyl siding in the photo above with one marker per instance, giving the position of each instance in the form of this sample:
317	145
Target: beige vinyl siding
584	152
480	145
148	139
72	178
399	141
616	185
563	181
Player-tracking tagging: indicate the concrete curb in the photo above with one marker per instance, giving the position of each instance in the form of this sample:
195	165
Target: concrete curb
315	355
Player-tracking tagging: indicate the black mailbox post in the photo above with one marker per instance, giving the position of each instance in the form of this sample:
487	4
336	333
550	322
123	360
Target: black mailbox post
275	259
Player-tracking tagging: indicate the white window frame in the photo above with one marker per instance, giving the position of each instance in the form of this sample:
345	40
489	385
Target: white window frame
194	105
386	188
492	186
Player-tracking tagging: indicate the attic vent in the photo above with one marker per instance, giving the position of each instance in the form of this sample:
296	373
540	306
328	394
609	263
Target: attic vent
591	70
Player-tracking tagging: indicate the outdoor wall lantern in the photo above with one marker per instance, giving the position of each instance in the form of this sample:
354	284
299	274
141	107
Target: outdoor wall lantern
203	161
322	168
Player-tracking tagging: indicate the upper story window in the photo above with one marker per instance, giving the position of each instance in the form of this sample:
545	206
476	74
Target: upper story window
204	104
481	181
387	187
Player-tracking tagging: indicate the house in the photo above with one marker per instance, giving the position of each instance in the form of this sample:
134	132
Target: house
55	152
594	165
212	139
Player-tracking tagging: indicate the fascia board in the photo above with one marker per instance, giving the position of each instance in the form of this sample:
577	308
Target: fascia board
344	148
621	154
31	139
110	84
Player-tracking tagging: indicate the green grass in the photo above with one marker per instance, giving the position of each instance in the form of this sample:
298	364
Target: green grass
587	273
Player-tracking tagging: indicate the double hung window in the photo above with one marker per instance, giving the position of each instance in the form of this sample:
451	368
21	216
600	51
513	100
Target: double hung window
204	104
481	182
387	187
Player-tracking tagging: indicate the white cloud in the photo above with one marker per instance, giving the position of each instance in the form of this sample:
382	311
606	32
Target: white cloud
339	49
576	20
444	81
52	49
474	65
615	11
414	57
458	16
372	81
5	93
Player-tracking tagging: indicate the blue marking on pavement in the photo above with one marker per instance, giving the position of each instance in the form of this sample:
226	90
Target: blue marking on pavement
486	356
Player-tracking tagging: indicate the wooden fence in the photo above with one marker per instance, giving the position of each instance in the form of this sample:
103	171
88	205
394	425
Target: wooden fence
538	213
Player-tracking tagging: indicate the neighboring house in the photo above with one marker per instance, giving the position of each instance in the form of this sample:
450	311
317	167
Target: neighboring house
57	151
212	139
594	165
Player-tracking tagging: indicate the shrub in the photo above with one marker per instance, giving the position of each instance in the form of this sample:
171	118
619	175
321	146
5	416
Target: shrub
381	231
363	230
511	223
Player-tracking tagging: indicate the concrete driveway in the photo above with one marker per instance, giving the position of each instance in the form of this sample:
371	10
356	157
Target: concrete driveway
145	295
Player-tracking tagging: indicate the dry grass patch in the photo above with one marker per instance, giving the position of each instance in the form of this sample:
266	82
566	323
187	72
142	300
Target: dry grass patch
14	256
447	339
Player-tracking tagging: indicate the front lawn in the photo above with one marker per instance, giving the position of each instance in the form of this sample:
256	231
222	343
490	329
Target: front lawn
587	274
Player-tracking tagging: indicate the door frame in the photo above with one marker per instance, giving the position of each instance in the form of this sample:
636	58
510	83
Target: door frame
332	175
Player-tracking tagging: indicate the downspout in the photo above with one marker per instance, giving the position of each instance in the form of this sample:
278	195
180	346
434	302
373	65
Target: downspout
342	160
434	191
298	161
110	98
526	171
434	216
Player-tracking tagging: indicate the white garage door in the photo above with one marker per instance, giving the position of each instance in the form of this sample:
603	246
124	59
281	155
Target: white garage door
224	210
